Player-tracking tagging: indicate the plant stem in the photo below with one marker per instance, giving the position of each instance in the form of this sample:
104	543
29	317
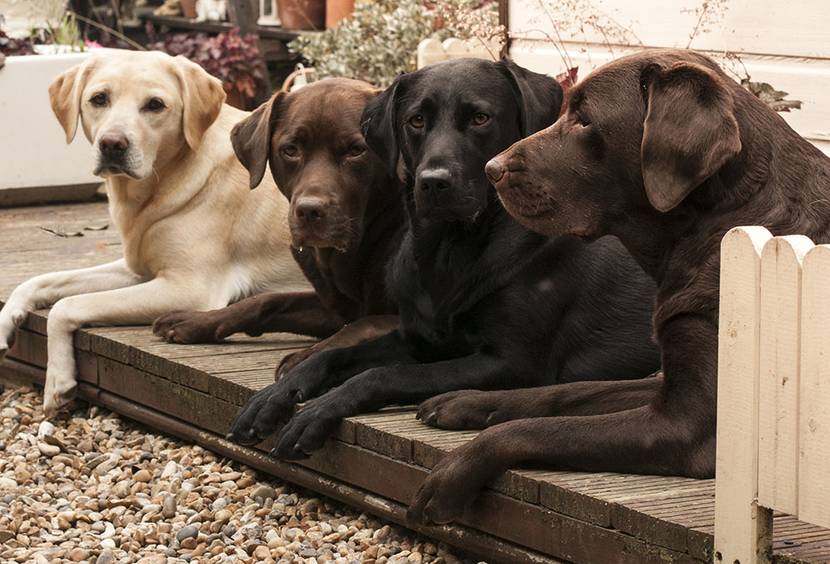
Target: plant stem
108	29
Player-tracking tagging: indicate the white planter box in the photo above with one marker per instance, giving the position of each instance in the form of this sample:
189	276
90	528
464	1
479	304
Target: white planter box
36	164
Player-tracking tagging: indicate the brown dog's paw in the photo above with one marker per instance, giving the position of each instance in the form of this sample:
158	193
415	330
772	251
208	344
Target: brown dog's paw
468	409
290	361
448	491
190	327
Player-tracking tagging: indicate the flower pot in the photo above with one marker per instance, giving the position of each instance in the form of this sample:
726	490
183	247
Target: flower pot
336	10
302	14
189	8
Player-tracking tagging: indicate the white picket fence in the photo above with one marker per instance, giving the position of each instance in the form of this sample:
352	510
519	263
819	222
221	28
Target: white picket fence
773	444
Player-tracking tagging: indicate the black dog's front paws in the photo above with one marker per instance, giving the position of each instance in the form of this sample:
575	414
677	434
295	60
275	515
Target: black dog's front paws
308	430
264	411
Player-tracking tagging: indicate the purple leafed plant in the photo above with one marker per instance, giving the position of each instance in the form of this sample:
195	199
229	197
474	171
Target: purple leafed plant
232	58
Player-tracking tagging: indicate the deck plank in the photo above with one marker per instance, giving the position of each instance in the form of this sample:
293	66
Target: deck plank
528	515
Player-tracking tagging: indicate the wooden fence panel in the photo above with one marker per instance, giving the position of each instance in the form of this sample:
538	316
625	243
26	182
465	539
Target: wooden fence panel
814	409
741	525
779	371
432	50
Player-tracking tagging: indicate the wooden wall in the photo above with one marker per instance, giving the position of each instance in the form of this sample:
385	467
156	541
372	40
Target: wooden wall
786	44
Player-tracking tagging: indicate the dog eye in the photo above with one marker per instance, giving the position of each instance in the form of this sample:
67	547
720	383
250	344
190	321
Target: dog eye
154	105
99	100
582	120
290	151
480	118
356	151
417	121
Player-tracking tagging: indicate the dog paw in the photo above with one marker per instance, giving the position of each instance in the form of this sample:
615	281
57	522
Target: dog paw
190	327
467	409
260	417
447	492
289	362
11	318
58	393
307	431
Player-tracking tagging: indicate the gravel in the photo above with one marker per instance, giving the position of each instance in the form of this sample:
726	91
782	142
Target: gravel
93	487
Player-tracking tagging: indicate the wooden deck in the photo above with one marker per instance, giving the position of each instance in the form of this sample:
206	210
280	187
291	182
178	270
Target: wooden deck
377	461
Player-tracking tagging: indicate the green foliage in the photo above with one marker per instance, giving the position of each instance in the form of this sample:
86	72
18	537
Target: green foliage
381	38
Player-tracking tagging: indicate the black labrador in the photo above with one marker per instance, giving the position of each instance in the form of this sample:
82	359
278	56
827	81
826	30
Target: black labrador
484	302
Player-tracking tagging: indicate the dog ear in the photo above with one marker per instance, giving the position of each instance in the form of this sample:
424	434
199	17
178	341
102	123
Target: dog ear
689	133
380	127
202	99
251	137
65	96
539	96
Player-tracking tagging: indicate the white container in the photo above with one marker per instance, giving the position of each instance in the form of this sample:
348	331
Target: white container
36	164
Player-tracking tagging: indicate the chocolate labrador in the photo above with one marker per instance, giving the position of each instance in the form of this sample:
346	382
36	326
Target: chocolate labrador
664	150
346	219
483	301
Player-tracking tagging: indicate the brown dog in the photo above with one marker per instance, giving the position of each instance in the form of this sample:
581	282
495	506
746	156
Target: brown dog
345	218
665	151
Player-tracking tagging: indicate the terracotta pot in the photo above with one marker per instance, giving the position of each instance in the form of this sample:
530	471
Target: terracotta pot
302	14
336	10
189	8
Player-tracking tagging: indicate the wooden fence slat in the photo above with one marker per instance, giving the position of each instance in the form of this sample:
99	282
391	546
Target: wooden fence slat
741	525
814	409
432	50
779	371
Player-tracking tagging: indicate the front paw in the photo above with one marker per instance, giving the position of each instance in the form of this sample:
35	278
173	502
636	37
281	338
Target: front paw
450	489
264	411
11	317
306	432
467	409
59	391
191	327
290	361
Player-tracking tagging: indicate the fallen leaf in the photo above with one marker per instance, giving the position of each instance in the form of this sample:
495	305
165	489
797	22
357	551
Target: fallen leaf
103	227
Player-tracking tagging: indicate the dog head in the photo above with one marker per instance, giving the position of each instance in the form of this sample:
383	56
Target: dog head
138	109
446	120
641	133
318	158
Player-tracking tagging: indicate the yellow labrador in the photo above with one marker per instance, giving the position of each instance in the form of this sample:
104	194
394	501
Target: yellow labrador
195	237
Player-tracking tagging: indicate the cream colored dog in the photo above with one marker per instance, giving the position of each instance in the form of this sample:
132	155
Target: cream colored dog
195	237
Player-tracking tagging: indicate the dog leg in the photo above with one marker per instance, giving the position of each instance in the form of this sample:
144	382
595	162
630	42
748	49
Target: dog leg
259	417
355	333
379	387
134	305
673	435
300	312
641	441
42	291
476	409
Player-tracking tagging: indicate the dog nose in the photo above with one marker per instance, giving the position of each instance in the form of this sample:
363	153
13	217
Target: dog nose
113	144
435	179
309	210
494	170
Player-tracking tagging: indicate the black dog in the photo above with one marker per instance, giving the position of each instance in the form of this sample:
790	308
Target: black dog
484	302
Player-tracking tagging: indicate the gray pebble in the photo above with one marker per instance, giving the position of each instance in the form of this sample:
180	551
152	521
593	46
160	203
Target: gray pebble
190	531
168	508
